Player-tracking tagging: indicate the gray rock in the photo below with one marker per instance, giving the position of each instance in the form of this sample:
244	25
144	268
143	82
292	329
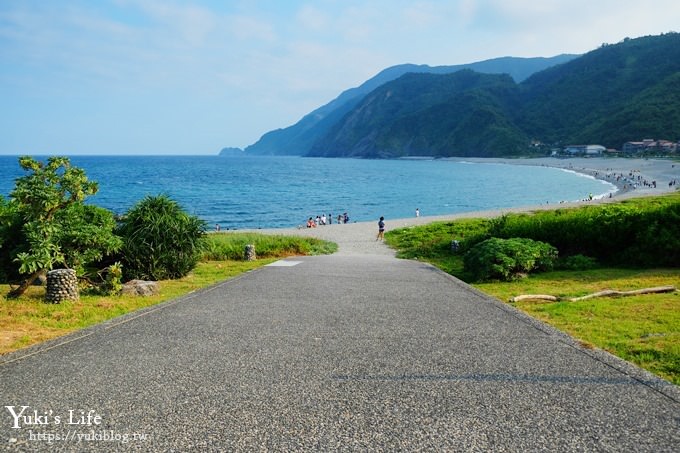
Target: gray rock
140	288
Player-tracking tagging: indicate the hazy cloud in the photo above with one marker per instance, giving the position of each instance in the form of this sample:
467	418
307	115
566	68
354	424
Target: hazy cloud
313	19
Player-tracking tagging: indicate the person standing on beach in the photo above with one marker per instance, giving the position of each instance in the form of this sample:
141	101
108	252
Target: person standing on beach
381	229
417	212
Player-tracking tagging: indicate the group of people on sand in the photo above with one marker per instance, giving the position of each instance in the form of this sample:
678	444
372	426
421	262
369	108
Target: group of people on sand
344	218
326	220
630	181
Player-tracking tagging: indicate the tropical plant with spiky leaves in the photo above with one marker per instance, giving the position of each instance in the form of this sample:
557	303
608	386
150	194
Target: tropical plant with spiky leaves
160	240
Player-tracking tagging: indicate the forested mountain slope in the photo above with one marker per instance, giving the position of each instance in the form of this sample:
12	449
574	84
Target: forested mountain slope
299	138
616	93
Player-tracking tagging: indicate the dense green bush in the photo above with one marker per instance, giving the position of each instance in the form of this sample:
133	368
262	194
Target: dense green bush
638	232
632	233
508	259
160	240
82	237
12	241
657	240
576	263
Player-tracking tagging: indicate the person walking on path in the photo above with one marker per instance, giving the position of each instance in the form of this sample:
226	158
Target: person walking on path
381	229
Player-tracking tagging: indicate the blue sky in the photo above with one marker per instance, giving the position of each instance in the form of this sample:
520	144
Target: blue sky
191	77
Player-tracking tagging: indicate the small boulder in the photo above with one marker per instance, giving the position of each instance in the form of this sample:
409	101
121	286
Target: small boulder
140	288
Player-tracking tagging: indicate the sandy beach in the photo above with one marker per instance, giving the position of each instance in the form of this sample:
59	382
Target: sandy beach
632	177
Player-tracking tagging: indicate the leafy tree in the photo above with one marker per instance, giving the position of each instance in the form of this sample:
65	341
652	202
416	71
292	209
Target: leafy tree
58	229
160	240
86	235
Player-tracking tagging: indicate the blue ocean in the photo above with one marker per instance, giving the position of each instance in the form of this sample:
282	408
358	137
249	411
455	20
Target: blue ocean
275	192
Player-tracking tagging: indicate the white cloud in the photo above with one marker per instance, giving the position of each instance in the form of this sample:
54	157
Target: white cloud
553	26
313	19
421	14
245	28
191	23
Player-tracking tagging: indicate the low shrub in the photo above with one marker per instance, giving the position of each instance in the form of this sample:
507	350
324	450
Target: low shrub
576	263
113	277
508	259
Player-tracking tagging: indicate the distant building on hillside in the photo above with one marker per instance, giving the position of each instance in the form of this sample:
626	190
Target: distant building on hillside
585	150
650	145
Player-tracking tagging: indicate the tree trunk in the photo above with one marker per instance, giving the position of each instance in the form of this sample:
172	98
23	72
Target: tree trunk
605	293
636	292
534	297
21	289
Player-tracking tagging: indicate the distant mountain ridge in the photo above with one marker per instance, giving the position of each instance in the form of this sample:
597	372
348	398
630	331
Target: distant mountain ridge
616	93
299	138
426	114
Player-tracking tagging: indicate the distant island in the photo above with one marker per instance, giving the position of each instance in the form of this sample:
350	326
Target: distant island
232	152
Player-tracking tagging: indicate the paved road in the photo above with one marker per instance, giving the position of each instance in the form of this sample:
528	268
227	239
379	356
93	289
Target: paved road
341	352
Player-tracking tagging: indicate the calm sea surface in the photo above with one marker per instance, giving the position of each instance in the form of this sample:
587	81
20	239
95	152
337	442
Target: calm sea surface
269	192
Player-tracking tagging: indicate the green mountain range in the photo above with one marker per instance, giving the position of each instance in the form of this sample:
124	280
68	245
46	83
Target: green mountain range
429	115
299	138
616	93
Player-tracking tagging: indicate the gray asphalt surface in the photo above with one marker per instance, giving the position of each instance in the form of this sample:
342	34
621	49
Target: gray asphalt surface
342	352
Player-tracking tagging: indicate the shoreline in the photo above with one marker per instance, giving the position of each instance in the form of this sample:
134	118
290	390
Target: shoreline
627	174
359	237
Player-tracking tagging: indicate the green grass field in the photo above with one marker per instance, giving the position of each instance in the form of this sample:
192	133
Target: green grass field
29	320
644	330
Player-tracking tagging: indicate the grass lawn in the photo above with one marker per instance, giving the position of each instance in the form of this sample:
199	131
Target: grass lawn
29	320
644	330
